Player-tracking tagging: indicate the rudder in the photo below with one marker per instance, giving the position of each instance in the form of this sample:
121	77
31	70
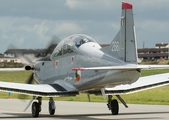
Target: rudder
123	45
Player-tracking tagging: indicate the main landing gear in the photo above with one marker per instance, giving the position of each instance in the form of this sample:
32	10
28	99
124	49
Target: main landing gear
113	104
52	106
36	107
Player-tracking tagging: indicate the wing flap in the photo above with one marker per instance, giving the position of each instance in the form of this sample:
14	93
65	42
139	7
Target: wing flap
143	83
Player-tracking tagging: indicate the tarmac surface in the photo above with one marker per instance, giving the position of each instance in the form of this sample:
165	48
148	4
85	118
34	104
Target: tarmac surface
12	109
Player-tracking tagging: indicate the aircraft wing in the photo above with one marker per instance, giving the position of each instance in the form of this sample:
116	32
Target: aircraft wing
49	90
143	83
46	90
123	67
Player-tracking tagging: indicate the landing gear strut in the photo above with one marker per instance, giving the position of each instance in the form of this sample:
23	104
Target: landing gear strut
52	106
113	105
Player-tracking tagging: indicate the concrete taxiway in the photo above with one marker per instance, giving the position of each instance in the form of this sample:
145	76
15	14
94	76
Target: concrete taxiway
12	109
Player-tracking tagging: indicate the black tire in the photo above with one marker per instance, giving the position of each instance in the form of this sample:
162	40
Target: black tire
114	107
35	109
51	111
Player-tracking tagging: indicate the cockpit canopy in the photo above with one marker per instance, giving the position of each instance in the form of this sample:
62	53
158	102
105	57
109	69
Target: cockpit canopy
70	44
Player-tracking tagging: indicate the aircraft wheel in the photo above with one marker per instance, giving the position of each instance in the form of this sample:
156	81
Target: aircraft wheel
51	110
35	109
114	107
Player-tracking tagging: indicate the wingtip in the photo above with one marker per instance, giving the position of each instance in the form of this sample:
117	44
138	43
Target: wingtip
126	5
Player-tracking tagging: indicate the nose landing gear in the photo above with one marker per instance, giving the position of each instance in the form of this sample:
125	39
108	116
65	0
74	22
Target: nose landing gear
36	107
52	106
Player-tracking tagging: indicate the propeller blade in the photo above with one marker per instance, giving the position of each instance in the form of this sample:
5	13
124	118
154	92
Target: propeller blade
30	79
26	60
29	103
53	42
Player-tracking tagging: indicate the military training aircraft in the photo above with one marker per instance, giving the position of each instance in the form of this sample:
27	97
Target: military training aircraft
79	64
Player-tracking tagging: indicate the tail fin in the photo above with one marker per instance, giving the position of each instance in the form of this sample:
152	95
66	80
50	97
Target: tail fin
123	45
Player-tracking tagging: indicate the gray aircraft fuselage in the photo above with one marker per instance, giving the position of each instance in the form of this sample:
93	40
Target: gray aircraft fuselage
87	54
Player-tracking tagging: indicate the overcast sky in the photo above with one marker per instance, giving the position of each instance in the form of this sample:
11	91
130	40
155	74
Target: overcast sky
32	23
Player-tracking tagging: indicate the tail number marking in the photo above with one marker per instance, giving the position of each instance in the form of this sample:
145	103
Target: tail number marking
115	46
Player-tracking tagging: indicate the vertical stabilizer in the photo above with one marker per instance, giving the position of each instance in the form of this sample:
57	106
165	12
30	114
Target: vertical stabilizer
123	45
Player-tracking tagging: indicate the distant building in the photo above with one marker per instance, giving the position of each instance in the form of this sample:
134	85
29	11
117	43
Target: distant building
25	52
9	59
161	51
18	55
162	45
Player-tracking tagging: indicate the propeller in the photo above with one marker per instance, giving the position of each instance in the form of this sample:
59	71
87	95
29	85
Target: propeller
30	60
29	103
53	42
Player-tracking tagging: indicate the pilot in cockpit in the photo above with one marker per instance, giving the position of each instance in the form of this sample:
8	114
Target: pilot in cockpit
82	41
